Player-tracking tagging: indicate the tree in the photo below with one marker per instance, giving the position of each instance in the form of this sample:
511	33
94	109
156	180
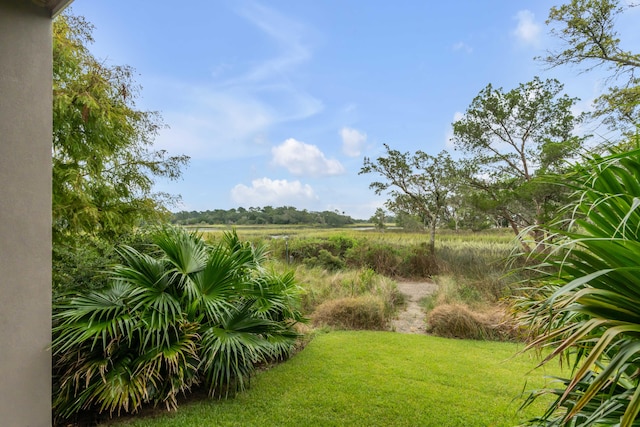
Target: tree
378	219
103	162
462	211
587	30
512	139
419	184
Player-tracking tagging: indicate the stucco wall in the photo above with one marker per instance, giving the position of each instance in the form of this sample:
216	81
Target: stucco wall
25	214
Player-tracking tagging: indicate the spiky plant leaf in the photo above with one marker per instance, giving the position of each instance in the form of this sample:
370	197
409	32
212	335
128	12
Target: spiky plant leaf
590	308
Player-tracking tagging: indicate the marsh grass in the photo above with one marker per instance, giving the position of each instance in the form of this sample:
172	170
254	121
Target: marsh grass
320	285
470	268
460	321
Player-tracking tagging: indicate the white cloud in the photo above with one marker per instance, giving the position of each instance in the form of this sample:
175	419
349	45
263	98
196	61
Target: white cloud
278	192
449	135
304	159
527	31
463	47
352	141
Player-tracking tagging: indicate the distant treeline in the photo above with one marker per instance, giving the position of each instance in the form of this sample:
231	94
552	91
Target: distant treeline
265	215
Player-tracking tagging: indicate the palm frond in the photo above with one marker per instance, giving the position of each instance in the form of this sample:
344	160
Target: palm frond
185	313
590	308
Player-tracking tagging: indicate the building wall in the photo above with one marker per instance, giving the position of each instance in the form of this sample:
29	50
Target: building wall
25	213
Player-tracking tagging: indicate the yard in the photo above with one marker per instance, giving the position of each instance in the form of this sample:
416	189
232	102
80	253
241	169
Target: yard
376	379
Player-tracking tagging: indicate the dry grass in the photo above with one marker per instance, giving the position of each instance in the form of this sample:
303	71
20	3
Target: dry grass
460	321
352	313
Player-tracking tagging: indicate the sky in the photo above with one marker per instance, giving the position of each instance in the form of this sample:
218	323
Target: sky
278	102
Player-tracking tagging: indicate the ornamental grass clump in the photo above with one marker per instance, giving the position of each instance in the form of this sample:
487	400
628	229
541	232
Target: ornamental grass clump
460	321
185	313
365	312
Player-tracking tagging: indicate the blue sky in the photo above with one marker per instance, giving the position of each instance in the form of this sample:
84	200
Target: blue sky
278	102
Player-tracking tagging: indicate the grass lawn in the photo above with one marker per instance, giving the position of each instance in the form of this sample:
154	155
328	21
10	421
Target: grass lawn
376	379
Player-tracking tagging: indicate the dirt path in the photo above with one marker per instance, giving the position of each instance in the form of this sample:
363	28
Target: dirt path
411	320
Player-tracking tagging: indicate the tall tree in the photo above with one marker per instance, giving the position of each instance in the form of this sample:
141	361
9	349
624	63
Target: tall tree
418	184
512	139
104	164
587	31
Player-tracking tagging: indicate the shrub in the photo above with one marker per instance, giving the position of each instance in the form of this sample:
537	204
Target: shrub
342	243
417	261
459	321
190	313
383	259
363	312
325	259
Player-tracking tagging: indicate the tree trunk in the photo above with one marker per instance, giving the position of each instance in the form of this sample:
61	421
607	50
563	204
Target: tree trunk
515	229
432	237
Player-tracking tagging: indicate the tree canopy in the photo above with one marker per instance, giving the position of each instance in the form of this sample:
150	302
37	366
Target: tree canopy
104	164
266	215
586	29
512	138
418	184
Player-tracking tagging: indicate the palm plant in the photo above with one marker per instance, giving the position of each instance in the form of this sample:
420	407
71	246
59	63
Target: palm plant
185	313
588	309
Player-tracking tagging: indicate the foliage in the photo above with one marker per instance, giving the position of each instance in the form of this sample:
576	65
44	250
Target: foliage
587	31
81	265
103	164
320	285
103	168
181	314
325	259
469	267
418	184
588	304
512	139
400	254
378	219
263	216
376	379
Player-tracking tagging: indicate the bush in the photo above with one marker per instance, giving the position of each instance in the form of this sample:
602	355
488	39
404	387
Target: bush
342	243
418	262
325	259
383	259
364	312
459	321
188	313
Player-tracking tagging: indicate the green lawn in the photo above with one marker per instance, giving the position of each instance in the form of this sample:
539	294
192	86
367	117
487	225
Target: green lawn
376	379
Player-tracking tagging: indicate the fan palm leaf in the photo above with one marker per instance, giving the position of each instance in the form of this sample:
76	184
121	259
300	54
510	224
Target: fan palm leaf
185	313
